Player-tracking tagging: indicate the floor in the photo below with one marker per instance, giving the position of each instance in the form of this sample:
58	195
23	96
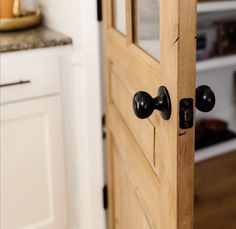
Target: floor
215	193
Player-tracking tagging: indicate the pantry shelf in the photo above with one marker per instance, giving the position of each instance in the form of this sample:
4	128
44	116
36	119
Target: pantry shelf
215	63
206	7
218	149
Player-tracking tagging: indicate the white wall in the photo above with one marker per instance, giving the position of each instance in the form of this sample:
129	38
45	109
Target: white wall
63	16
82	108
222	82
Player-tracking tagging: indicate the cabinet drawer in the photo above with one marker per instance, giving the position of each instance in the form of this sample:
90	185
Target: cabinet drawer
29	74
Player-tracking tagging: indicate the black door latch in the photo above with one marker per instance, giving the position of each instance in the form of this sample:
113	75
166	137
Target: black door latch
186	113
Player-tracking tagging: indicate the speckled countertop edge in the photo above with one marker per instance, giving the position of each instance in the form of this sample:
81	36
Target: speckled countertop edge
39	37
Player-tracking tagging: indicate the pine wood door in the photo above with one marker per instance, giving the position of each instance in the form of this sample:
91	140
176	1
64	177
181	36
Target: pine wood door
150	162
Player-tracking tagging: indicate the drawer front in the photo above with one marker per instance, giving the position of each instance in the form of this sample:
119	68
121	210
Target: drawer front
29	74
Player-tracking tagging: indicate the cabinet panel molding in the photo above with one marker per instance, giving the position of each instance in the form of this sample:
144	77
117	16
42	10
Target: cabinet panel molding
33	182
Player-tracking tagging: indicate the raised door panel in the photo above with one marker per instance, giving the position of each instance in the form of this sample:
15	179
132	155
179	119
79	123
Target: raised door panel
137	175
33	188
121	92
128	209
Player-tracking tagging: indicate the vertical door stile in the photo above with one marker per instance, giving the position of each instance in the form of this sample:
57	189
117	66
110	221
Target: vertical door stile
129	21
186	89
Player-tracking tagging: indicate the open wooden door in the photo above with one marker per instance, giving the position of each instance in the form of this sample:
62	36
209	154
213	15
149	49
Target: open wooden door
150	161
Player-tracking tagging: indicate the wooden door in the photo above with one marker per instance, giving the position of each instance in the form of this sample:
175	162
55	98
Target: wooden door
33	182
150	162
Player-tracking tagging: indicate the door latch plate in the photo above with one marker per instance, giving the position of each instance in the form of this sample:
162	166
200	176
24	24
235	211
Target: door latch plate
186	113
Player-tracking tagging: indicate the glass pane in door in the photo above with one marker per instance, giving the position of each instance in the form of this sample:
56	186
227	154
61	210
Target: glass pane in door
146	24
119	15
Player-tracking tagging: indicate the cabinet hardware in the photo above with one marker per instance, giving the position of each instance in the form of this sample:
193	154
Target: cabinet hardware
15	83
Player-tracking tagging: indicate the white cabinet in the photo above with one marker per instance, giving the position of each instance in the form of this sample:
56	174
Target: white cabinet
33	175
39	68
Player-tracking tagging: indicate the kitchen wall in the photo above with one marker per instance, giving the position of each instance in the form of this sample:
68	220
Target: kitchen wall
82	108
64	16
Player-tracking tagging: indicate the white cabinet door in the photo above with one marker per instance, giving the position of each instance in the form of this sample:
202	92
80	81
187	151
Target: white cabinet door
33	189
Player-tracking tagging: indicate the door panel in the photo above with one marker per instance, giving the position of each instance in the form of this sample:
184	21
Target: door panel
138	68
142	177
128	211
119	94
154	158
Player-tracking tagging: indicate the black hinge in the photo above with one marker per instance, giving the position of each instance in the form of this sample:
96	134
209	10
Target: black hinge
105	197
104	127
99	10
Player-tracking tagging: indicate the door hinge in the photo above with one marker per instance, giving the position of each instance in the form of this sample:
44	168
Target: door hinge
105	197
104	131
99	10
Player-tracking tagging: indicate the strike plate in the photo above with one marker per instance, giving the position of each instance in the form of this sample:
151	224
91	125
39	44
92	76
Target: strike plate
186	113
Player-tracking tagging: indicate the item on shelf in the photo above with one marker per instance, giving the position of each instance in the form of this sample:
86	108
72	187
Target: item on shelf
6	9
225	38
29	5
22	19
212	131
201	42
234	86
202	53
16	8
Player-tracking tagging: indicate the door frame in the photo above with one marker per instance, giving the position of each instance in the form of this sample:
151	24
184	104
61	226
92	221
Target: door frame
91	56
92	171
82	89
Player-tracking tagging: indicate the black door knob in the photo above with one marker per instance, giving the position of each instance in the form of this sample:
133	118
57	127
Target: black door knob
144	104
205	98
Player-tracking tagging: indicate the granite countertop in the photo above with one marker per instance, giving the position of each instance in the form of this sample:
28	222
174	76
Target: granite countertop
39	37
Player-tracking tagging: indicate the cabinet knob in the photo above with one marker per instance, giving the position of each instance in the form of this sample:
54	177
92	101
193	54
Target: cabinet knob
205	98
144	104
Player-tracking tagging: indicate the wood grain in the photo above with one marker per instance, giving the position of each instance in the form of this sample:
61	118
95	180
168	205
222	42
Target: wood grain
142	177
160	183
6	9
120	94
125	198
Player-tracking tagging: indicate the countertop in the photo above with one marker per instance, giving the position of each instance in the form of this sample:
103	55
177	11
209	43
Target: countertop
39	37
